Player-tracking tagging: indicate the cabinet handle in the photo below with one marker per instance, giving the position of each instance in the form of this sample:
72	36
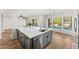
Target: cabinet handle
35	39
47	36
26	38
75	25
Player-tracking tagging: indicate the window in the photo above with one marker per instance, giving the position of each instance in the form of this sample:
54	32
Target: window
32	22
49	23
67	22
35	22
57	22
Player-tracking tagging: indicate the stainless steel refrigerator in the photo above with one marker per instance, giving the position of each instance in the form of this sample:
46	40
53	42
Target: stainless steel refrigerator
76	30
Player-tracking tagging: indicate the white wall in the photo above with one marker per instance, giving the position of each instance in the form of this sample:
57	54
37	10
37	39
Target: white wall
12	21
45	20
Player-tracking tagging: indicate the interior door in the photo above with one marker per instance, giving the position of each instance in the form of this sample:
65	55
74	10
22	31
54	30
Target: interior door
7	22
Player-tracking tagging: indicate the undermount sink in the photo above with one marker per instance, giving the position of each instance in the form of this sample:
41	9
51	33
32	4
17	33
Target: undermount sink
42	30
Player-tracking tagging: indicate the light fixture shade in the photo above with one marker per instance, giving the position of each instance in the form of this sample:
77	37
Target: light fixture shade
21	16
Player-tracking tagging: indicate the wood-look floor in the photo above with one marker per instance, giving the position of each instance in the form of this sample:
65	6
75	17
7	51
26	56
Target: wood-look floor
59	41
7	43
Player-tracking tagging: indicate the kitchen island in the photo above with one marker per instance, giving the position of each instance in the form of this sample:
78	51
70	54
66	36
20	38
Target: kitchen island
34	37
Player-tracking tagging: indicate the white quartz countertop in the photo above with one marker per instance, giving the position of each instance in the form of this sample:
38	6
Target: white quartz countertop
32	32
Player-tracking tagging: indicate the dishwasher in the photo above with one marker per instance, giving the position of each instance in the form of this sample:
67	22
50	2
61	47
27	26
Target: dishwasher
37	42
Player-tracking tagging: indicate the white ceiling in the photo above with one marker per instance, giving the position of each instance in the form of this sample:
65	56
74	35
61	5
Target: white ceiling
29	12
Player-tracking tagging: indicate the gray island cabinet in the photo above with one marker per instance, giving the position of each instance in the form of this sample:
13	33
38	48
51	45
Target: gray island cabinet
34	39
